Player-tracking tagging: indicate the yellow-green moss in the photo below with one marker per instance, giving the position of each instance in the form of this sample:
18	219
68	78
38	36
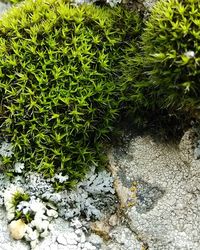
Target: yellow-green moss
59	88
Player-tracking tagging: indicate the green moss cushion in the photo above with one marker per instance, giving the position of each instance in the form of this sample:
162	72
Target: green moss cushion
171	48
59	89
165	75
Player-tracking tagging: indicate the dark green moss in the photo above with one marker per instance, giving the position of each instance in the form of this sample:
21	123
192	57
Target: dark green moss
165	76
172	52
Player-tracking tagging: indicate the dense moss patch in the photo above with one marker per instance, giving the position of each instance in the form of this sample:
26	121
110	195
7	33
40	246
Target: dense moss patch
165	76
59	89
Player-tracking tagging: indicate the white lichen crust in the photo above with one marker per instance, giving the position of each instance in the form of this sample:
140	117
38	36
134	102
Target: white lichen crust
166	214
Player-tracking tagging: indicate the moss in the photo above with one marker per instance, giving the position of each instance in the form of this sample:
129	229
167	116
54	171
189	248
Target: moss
165	74
171	51
59	89
18	197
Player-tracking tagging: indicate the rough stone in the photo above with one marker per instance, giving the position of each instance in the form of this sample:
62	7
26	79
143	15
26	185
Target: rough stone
166	179
147	196
17	229
122	238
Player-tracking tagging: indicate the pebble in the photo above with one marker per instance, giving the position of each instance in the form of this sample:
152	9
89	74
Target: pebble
29	230
17	229
71	241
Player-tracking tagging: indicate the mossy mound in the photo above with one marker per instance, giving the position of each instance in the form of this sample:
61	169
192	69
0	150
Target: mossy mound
59	89
172	53
169	76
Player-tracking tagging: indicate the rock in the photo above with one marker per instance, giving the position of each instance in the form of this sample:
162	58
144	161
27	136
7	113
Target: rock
123	193
123	238
62	240
17	229
167	181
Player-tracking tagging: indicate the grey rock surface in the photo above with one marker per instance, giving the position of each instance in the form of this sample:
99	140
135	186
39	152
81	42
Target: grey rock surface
165	181
123	239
